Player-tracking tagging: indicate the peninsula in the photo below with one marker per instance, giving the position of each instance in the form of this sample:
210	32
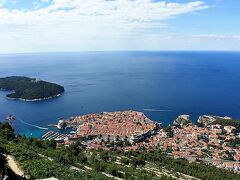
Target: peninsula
29	89
215	140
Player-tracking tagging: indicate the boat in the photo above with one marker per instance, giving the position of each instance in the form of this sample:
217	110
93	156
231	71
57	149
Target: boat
10	118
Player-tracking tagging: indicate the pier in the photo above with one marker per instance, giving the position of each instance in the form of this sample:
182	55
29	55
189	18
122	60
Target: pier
53	135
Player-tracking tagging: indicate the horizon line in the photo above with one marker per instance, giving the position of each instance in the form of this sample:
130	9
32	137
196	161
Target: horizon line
116	51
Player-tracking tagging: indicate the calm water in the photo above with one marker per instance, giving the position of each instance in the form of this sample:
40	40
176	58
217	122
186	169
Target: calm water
170	83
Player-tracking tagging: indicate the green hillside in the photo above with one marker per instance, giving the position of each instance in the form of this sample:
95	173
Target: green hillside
43	159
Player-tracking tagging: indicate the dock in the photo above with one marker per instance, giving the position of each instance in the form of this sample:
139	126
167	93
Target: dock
53	135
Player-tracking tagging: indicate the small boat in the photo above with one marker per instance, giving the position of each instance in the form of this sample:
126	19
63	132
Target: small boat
10	118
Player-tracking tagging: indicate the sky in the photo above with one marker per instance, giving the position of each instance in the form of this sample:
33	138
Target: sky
112	25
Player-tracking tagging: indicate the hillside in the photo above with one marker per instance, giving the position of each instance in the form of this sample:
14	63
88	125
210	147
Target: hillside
228	122
29	89
43	159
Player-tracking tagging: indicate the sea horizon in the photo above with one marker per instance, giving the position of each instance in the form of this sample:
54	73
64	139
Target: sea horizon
122	51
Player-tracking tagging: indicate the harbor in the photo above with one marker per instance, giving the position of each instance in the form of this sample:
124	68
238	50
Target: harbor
51	135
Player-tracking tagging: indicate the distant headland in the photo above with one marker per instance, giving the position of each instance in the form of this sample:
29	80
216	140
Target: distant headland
30	89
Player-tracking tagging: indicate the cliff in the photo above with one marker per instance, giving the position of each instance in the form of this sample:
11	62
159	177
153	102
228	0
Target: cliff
209	119
182	120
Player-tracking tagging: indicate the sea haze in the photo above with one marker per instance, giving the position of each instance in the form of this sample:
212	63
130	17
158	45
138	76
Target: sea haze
161	84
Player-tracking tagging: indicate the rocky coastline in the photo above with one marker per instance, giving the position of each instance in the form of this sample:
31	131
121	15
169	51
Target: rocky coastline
208	119
35	100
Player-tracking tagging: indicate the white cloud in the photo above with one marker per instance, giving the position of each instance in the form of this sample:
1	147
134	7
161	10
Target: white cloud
85	24
217	37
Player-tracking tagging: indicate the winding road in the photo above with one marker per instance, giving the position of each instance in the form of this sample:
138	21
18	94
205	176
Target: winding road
13	165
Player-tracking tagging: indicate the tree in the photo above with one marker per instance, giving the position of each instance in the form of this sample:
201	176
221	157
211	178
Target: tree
6	131
51	143
104	156
138	161
2	163
98	165
125	161
112	170
81	158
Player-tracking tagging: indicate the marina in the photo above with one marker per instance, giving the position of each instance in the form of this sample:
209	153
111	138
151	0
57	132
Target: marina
51	135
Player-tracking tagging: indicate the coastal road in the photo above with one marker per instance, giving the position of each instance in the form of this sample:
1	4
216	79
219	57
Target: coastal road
13	165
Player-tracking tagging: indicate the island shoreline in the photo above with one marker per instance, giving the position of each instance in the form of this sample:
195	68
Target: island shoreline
35	100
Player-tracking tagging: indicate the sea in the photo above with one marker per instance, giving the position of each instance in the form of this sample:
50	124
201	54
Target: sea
163	85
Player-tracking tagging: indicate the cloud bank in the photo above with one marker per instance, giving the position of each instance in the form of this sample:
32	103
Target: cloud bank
217	37
85	24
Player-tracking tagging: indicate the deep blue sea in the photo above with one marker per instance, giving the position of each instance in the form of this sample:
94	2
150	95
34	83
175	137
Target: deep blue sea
161	84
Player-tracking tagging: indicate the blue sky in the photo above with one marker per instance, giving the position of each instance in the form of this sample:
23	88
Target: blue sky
98	25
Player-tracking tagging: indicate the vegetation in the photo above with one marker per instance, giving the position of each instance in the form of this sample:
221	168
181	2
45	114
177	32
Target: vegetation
234	142
195	169
6	131
43	159
2	163
6	134
169	131
29	88
228	122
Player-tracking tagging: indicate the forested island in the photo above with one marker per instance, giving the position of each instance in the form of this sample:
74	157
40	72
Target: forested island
29	89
